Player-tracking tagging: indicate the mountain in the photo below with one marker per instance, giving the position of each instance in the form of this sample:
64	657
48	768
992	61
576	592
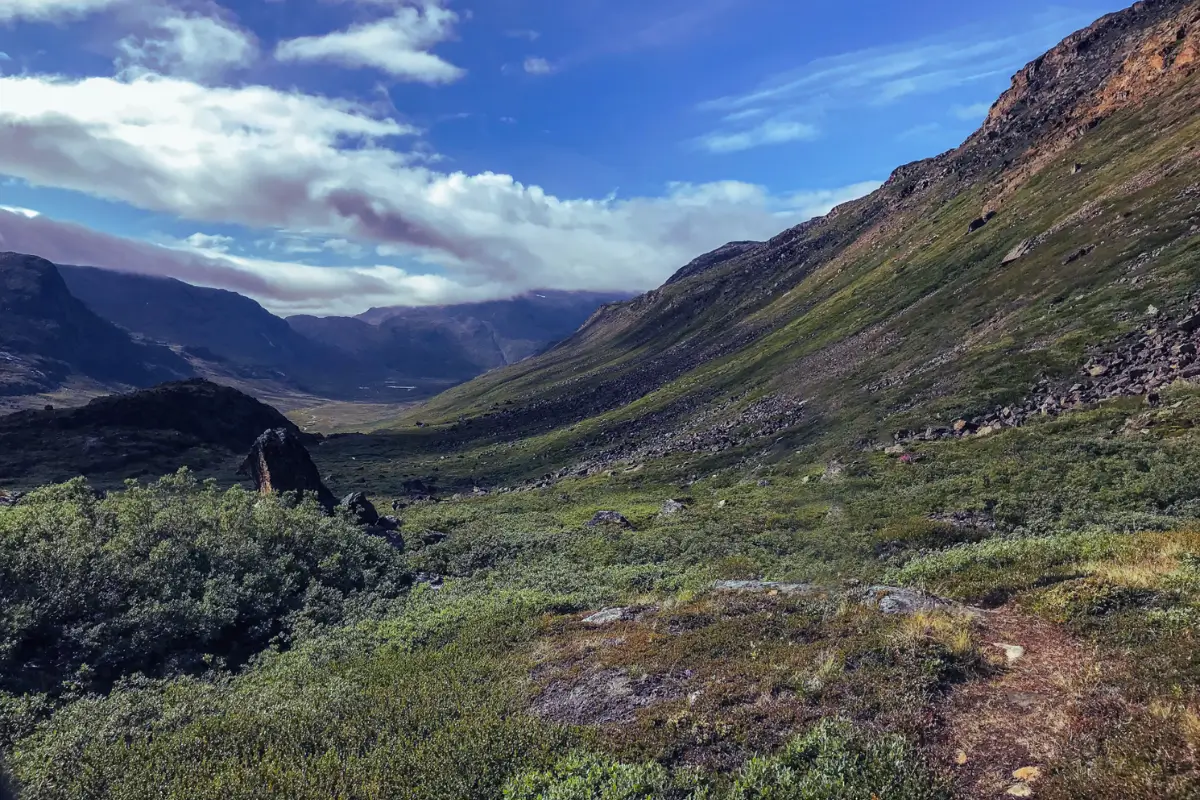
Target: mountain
48	336
967	284
234	334
457	341
193	423
234	338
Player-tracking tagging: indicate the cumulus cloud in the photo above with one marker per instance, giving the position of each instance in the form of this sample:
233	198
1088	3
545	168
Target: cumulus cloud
538	66
190	46
282	161
51	10
398	45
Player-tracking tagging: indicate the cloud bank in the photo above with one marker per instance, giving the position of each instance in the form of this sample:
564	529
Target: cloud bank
276	160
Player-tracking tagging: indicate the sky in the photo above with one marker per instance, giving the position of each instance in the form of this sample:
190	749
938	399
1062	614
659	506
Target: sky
326	156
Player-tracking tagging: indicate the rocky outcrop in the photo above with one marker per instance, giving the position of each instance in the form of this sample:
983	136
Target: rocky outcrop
279	464
609	518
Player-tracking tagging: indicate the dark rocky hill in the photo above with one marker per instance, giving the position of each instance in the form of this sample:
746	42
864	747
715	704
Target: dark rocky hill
194	423
47	336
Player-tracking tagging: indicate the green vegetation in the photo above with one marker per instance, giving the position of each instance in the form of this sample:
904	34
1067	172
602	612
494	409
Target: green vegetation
169	579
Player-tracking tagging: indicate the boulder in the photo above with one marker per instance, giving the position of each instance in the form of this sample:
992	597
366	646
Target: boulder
1020	251
360	508
279	463
609	518
608	616
391	537
895	600
673	507
390	523
8	500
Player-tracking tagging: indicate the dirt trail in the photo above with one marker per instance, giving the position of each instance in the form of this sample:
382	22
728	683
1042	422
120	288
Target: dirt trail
1020	717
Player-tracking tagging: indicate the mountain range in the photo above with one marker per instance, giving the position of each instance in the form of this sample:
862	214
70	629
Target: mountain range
118	330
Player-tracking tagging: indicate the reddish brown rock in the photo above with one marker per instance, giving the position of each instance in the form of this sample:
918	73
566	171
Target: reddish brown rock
279	463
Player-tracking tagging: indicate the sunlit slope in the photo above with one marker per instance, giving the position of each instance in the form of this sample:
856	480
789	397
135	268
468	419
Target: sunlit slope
900	308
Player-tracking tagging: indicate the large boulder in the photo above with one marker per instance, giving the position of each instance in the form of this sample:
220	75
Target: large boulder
279	463
609	518
360	508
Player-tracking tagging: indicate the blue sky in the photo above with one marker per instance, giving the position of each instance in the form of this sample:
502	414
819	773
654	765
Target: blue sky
328	155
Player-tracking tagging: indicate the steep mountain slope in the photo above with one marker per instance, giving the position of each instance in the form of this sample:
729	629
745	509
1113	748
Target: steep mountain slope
457	341
47	335
945	293
232	332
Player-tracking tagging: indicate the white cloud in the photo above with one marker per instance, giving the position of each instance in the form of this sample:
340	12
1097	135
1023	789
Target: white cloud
398	45
197	47
771	132
277	161
28	213
527	35
214	242
538	66
806	205
51	10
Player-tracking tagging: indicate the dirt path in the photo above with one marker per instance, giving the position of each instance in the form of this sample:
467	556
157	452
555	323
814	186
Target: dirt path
1019	718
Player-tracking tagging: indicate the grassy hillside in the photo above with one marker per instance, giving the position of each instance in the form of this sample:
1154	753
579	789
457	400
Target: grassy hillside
793	526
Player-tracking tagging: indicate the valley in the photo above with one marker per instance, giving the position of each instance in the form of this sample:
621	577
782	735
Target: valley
902	503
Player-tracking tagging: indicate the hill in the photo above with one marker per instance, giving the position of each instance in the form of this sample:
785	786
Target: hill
194	423
47	336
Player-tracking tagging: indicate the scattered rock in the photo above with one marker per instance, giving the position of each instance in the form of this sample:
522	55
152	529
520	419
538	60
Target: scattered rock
390	523
673	507
1012	652
976	225
895	450
1020	790
360	508
608	616
279	463
609	518
434	537
8	500
1078	168
1027	774
1020	251
895	600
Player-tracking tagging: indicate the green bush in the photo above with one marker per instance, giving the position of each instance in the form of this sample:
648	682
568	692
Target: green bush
584	776
170	578
833	761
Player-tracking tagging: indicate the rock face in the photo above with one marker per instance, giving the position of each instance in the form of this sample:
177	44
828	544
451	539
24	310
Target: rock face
278	462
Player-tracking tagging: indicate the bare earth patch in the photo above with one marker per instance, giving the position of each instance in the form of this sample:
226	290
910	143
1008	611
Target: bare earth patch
994	731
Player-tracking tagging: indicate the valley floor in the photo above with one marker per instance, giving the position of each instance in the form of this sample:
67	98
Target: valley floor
1053	656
